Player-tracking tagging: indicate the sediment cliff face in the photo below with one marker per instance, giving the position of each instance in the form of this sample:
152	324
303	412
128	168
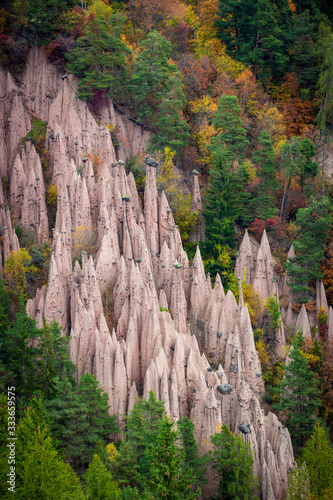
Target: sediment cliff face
172	332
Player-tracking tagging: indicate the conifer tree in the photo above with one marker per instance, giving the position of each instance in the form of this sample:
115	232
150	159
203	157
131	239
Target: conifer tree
231	133
98	58
305	53
325	86
79	418
298	394
99	482
264	158
192	460
318	456
44	15
270	50
172	129
40	471
53	358
233	461
221	205
18	355
152	76
315	223
132	467
299	483
168	478
236	27
257	33
296	160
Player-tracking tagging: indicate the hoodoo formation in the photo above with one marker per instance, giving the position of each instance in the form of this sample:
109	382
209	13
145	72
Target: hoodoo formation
149	348
140	316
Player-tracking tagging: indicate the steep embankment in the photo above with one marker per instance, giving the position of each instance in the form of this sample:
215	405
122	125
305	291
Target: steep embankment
159	310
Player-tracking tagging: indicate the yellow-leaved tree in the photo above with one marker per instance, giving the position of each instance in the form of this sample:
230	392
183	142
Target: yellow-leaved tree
180	203
84	240
14	273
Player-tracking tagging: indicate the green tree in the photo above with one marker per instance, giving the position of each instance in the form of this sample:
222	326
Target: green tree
236	27
258	33
221	203
192	460
98	58
18	355
40	472
4	450
325	84
53	358
30	357
44	16
231	133
299	484
264	158
296	160
168	478
153	74
272	321
172	129
305	54
318	456
14	273
79	419
4	325
132	467
325	116
270	57
233	460
315	223
298	393
99	482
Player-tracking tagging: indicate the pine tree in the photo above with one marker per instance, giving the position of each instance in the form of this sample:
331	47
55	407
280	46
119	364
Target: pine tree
305	54
221	204
79	419
52	357
132	466
296	160
270	51
152	77
40	471
18	354
99	482
264	158
318	456
233	461
257	33
142	427
299	483
99	58
192	460
44	15
325	86
172	129
168	478
315	223
4	325
298	394
4	449
236	27
100	423
231	133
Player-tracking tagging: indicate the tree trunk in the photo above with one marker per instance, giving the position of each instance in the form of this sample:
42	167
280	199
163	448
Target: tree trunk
284	196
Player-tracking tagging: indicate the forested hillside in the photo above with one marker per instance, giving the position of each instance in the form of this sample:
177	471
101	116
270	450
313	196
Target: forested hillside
166	248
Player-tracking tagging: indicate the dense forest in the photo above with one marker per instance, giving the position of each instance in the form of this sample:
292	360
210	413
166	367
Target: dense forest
240	94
